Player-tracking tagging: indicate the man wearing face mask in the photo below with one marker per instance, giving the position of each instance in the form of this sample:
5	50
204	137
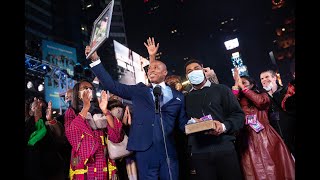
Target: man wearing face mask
213	155
282	121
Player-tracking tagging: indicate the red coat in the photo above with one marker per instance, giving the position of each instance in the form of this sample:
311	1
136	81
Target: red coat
264	155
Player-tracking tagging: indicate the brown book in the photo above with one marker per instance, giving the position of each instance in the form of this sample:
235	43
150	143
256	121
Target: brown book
199	126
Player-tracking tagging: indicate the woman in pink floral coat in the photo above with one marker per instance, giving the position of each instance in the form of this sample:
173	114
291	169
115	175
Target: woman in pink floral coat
87	125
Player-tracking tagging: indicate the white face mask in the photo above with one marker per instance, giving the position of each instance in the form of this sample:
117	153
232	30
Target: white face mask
196	77
269	87
81	93
117	112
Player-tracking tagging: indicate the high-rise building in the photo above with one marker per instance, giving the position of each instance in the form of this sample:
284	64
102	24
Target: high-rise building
283	52
117	29
70	23
58	21
39	24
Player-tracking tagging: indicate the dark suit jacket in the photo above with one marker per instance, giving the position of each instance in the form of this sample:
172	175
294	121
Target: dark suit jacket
144	116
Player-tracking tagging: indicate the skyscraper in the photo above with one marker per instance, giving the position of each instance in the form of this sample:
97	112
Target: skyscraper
117	29
70	23
283	18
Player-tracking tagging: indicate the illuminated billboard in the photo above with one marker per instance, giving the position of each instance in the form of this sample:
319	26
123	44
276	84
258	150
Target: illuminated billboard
59	55
131	65
61	60
231	44
55	86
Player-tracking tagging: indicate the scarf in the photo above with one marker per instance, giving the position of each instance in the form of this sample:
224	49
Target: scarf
38	134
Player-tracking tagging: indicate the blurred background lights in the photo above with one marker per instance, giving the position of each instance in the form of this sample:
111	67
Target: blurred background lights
40	87
29	85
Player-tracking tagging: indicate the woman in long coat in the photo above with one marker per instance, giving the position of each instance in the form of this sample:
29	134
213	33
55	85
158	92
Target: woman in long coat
262	151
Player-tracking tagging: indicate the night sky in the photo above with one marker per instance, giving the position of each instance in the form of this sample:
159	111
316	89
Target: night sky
198	35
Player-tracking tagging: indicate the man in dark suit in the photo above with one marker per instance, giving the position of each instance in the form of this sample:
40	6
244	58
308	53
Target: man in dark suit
151	133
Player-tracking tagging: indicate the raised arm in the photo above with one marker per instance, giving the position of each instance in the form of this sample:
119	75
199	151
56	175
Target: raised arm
114	126
237	79
152	48
260	100
103	103
121	90
211	75
55	126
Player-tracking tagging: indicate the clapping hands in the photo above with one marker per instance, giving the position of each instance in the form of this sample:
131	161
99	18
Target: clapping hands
49	111
237	79
103	101
126	116
36	108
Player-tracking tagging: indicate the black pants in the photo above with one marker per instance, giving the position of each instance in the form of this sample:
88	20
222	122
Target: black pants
221	164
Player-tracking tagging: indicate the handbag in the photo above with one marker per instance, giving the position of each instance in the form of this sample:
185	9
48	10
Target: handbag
118	150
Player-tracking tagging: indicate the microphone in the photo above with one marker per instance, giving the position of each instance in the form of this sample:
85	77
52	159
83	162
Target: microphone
157	93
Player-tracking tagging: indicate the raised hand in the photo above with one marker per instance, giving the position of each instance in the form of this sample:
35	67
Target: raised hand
208	72
236	74
94	56
103	101
36	108
86	97
126	116
240	84
49	111
236	77
151	46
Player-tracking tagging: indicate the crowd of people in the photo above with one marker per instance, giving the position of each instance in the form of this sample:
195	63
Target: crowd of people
253	138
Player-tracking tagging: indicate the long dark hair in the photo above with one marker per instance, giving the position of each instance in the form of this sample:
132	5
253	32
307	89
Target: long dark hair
76	102
254	88
251	81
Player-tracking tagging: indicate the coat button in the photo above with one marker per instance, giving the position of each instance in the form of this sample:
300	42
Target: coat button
152	124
